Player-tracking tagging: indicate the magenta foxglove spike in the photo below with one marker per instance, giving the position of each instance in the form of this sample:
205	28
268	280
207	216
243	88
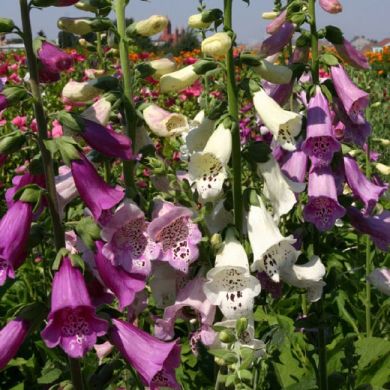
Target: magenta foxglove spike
278	40
351	55
331	6
277	23
53	59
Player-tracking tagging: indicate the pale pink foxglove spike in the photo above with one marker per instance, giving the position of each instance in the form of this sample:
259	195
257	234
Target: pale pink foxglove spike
331	6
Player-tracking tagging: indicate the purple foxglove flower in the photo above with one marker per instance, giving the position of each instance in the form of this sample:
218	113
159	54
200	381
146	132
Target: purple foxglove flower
277	23
368	192
379	278
320	144
351	55
353	99
122	283
106	140
127	244
300	55
331	6
154	360
65	187
294	165
377	227
204	334
72	323
278	92
14	228
268	285
46	77
53	59
95	192
176	234
323	207
278	40
11	338
139	304
192	296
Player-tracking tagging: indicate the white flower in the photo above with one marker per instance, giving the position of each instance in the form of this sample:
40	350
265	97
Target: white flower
276	74
99	112
151	26
216	45
77	26
176	81
80	91
229	284
142	139
195	21
380	278
164	123
219	218
162	66
283	124
208	169
270	249
278	188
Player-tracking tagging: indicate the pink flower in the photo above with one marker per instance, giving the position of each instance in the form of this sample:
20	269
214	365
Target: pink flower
20	122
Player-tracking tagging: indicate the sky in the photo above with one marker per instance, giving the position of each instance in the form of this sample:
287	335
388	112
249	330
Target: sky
359	17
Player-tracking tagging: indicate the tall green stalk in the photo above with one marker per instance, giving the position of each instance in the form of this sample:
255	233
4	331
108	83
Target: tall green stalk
368	258
314	42
232	92
129	112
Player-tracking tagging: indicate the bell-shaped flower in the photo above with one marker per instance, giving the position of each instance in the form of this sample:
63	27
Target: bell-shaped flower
277	23
216	45
294	165
103	350
320	144
73	323
53	59
323	207
175	233
162	66
164	123
195	21
229	284
308	276
377	226
150	26
364	189
208	168
284	125
65	188
278	92
278	188
154	360
127	244
191	296
218	218
351	55
15	228
276	74
331	6
99	112
270	249
379	278
278	40
84	91
123	284
354	100
93	190
176	81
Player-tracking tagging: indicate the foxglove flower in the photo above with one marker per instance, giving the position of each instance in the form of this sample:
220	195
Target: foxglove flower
176	81
216	45
83	91
53	59
379	278
364	189
270	249
99	112
15	228
320	144
175	233
278	40
284	125
323	207
377	226
127	244
65	188
218	218
164	123
72	323
95	192
278	188
277	23
148	27
294	165
351	55
154	360
229	284
195	21
122	283
162	66
331	6
11	338
208	168
353	99
278	92
276	74
192	296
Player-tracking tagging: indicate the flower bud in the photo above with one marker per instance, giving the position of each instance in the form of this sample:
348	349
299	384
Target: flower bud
80	91
331	6
383	169
227	336
12	142
241	325
162	66
95	6
176	81
203	66
217	45
269	15
211	15
276	74
6	25
219	361
216	241
148	27
83	26
195	21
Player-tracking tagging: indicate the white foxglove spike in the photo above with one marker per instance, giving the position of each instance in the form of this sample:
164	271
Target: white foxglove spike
278	188
176	81
208	169
270	249
162	66
284	125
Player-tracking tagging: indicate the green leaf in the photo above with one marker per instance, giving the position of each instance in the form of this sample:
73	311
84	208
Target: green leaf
230	380
245	375
89	231
329	59
50	376
258	152
334	35
371	349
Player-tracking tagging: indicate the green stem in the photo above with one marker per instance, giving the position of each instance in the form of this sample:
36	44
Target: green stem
314	41
47	161
99	50
322	359
75	371
130	115
233	112
368	258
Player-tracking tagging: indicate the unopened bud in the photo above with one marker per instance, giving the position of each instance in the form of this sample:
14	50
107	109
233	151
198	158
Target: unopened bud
219	361
241	325
6	25
269	15
217	45
11	143
216	241
227	336
148	27
195	21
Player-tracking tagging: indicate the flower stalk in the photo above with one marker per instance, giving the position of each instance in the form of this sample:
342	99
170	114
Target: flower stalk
314	41
233	113
368	257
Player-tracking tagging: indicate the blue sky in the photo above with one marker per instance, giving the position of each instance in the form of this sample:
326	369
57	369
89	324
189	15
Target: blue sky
360	17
